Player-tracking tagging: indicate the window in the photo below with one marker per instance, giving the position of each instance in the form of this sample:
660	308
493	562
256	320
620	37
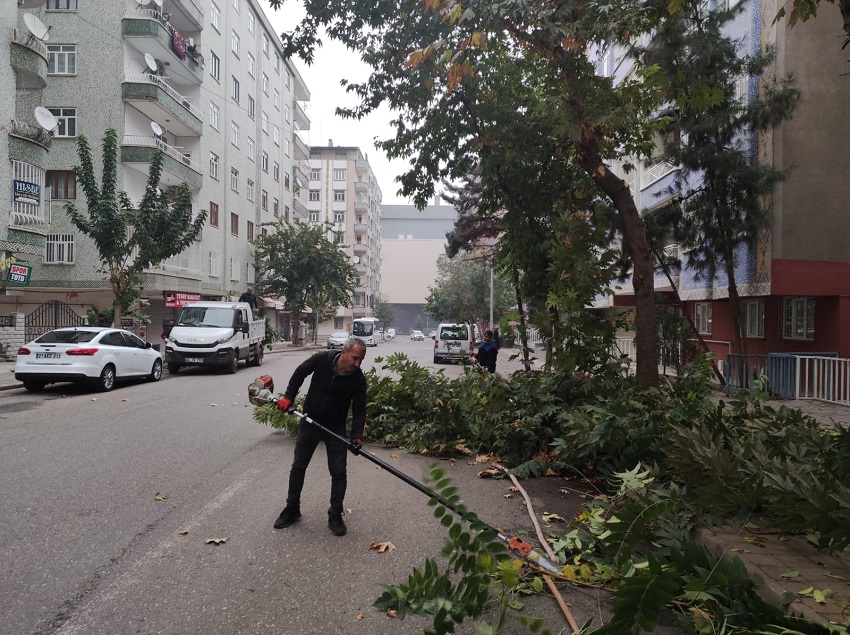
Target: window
339	216
276	207
265	162
287	113
61	5
213	214
251	107
234	223
252	152
234	89
59	249
62	59
277	99
234	133
265	45
277	64
359	239
339	175
250	188
214	115
753	318
313	217
286	181
264	200
252	65
276	171
339	196
214	165
234	179
287	147
252	21
286	212
66	122
234	43
314	195
250	231
215	264
264	123
702	317
234	268
315	174
276	135
265	84
340	155
215	17
62	184
236	5
215	67
288	79
798	318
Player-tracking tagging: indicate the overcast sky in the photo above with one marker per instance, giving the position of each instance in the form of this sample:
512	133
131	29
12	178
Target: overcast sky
333	63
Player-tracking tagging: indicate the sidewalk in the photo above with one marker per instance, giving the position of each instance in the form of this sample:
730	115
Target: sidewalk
789	566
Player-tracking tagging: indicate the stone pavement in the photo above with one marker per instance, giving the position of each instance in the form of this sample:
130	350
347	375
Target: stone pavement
789	566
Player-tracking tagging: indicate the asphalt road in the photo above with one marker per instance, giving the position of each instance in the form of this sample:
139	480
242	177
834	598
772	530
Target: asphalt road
86	547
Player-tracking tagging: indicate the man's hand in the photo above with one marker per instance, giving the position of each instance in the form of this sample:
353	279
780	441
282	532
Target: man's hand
355	446
286	404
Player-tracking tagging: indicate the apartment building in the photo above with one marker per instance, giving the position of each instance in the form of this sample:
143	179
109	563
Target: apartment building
204	82
796	283
342	190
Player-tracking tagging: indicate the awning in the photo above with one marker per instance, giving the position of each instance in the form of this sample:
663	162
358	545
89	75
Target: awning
271	303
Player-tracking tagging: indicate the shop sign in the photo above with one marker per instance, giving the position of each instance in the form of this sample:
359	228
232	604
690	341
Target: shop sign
19	274
176	299
26	192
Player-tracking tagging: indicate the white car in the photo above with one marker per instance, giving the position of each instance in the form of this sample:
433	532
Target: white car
92	355
337	339
417	336
390	334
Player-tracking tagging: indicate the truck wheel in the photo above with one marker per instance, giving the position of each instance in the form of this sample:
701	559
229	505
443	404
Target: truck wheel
257	359
234	363
173	368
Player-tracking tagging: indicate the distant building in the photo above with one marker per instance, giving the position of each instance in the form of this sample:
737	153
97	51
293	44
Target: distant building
412	242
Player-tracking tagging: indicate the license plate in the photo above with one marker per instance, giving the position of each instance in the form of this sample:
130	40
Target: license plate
48	355
195	360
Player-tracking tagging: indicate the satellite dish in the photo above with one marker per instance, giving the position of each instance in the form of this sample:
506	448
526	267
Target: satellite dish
45	118
36	27
158	3
151	62
157	129
356	260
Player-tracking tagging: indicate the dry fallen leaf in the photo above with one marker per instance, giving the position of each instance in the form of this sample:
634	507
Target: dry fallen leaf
513	488
124	400
482	458
184	533
490	472
359	616
552	518
215	541
460	447
159	497
391	613
94	398
394	456
381	547
508	495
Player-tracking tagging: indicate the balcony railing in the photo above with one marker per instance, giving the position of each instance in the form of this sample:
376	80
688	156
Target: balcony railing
153	142
31	132
147	78
28	40
158	16
653	173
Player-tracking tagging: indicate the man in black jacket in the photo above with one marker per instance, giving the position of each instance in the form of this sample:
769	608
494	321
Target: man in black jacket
337	384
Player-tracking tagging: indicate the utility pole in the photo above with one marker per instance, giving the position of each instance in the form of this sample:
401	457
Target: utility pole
491	296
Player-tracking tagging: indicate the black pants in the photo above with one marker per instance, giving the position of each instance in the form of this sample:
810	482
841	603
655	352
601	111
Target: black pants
305	444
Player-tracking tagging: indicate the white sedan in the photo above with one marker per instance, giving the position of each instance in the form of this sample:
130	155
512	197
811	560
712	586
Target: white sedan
92	355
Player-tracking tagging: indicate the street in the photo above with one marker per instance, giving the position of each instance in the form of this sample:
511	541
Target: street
109	499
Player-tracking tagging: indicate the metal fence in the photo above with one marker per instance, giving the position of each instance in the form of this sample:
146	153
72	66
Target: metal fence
821	375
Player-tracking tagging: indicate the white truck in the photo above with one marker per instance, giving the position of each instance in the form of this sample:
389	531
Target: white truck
215	334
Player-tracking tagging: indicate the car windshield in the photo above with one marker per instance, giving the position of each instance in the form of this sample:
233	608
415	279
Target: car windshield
67	337
206	316
361	328
454	333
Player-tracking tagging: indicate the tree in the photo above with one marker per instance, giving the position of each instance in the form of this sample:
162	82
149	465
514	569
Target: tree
802	10
301	265
384	310
427	61
129	238
724	191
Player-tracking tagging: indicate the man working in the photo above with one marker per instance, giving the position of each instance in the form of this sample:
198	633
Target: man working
337	384
250	298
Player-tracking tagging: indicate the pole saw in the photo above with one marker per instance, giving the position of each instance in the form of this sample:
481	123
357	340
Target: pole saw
260	393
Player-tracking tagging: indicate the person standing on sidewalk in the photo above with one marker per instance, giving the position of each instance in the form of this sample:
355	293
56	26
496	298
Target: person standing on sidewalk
488	351
337	385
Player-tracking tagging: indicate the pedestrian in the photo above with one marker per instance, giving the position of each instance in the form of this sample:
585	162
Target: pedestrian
166	330
100	321
488	351
337	385
250	298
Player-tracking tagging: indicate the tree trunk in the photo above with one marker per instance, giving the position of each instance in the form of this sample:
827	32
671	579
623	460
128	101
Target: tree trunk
734	305
642	268
523	334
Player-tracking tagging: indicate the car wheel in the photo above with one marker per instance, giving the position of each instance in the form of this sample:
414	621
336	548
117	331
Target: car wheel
436	359
156	371
173	369
34	386
106	381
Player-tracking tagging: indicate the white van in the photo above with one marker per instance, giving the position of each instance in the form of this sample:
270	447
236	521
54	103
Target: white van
453	342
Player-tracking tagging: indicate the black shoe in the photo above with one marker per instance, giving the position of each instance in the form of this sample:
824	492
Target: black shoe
287	517
337	526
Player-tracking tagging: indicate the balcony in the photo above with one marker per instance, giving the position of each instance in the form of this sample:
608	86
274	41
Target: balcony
300	118
298	208
30	205
299	175
302	151
29	61
360	311
655	172
152	33
187	14
360	248
360	228
361	206
360	269
361	187
151	95
137	152
33	133
361	166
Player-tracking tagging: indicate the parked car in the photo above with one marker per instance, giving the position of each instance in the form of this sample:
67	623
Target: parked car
417	336
337	339
91	355
432	334
454	342
390	334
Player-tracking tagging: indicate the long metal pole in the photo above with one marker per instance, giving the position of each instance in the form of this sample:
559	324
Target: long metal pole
491	296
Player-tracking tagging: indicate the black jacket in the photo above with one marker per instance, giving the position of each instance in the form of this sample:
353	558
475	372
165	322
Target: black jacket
487	354
330	395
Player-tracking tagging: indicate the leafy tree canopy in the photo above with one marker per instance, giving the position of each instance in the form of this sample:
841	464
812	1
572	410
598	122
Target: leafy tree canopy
385	311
